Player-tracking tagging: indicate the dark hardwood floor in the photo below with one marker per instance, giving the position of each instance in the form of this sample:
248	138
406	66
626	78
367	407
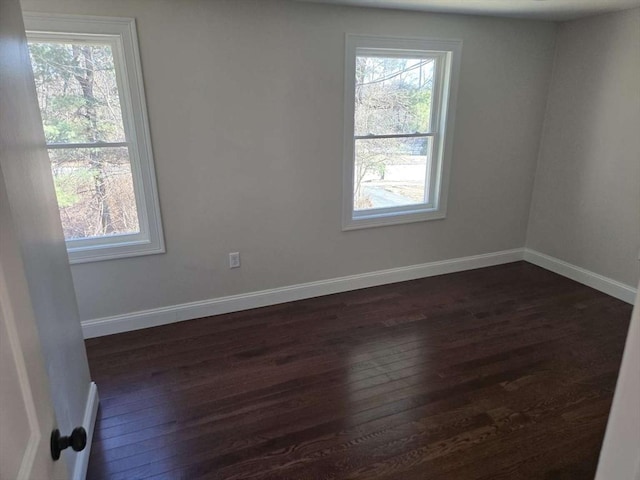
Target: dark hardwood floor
506	372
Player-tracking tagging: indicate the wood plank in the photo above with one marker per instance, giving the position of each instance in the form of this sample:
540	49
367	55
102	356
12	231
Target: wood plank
502	372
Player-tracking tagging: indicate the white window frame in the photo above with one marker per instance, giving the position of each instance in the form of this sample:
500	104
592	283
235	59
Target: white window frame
446	54
120	34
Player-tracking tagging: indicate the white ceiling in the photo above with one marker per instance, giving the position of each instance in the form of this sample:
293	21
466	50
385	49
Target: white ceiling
538	9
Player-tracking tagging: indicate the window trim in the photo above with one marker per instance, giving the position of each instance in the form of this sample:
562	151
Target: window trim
121	33
442	133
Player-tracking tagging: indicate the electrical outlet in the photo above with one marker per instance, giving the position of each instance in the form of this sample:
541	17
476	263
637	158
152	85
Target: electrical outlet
234	260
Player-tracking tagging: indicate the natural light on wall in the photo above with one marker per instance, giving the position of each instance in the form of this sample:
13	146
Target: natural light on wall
399	94
86	71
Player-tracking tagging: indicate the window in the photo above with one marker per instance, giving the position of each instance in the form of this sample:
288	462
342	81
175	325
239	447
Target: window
89	87
400	99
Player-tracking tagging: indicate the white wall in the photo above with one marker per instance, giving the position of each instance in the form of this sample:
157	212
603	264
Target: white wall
586	206
245	99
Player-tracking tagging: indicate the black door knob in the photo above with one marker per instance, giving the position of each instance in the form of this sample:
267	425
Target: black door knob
77	441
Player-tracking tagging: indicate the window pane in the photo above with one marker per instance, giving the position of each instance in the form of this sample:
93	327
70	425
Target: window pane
77	92
393	95
95	193
391	172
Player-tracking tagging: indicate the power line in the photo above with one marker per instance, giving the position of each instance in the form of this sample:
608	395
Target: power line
380	80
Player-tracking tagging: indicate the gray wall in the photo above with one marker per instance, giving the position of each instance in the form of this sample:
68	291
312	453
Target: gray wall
245	101
586	206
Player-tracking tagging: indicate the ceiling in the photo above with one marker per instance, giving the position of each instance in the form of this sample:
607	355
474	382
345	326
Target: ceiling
537	9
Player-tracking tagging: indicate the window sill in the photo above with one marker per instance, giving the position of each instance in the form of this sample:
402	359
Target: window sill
98	253
383	220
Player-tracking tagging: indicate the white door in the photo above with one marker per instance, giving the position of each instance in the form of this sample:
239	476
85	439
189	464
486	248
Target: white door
44	374
620	455
26	410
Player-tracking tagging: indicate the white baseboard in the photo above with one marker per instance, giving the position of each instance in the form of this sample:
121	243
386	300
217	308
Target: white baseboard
235	303
626	293
89	423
